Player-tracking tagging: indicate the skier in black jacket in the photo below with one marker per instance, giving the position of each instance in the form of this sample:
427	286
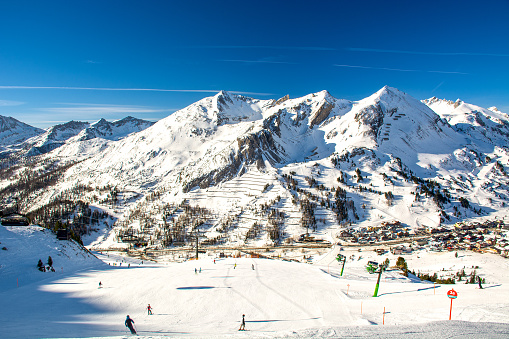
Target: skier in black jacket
129	323
243	324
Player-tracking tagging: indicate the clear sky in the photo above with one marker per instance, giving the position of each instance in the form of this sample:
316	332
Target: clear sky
68	60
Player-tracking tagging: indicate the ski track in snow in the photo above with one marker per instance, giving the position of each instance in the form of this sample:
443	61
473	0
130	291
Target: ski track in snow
280	299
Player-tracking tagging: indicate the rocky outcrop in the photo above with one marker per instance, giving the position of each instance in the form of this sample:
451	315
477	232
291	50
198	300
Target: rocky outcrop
273	123
281	100
321	114
371	116
252	149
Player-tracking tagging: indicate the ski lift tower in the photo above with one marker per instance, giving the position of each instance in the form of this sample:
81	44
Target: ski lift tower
197	235
381	268
341	258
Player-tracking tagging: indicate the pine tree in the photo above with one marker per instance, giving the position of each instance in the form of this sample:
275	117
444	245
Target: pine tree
401	263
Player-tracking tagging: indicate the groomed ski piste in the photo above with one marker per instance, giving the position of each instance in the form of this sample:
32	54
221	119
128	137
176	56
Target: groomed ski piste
206	298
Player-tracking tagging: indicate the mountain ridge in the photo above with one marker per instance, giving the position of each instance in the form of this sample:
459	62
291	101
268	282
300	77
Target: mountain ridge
389	155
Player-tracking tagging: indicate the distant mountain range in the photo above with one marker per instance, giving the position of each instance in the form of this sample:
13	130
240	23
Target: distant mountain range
25	140
390	155
13	132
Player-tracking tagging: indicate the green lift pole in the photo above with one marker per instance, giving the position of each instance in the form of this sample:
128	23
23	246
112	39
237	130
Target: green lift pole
341	257
344	262
380	270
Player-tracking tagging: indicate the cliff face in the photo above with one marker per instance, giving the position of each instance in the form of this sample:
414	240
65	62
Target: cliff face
254	148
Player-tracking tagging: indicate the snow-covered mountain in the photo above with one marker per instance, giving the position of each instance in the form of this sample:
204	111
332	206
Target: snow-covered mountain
389	155
218	137
480	124
81	138
113	130
13	132
54	137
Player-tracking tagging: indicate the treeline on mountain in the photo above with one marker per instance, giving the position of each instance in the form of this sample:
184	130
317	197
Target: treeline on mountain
31	180
74	215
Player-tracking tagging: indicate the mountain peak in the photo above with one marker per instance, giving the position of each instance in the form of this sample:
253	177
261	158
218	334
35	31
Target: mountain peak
222	93
390	97
13	131
326	95
101	122
392	91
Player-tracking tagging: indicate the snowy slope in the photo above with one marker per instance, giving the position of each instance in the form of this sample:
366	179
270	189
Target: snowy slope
82	138
113	130
394	123
13	132
98	135
480	124
26	245
53	138
279	299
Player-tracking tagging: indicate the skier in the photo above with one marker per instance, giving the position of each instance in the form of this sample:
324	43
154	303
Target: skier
195	271
243	324
100	284
149	309
479	280
235	266
129	323
252	266
214	261
200	269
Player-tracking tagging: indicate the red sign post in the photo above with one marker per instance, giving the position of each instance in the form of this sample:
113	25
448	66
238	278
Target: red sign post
452	294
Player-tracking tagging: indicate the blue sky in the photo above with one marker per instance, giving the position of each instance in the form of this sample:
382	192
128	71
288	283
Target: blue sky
84	60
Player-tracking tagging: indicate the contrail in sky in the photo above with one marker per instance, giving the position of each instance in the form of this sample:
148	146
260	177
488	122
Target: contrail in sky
261	62
292	48
354	49
399	69
131	89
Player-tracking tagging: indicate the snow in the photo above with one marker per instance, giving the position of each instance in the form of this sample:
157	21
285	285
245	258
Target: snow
13	133
222	151
280	299
235	150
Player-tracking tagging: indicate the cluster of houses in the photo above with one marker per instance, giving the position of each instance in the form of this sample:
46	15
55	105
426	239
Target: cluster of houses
372	235
485	237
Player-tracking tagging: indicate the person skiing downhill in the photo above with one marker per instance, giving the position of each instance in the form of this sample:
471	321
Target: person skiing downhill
243	324
149	309
129	323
